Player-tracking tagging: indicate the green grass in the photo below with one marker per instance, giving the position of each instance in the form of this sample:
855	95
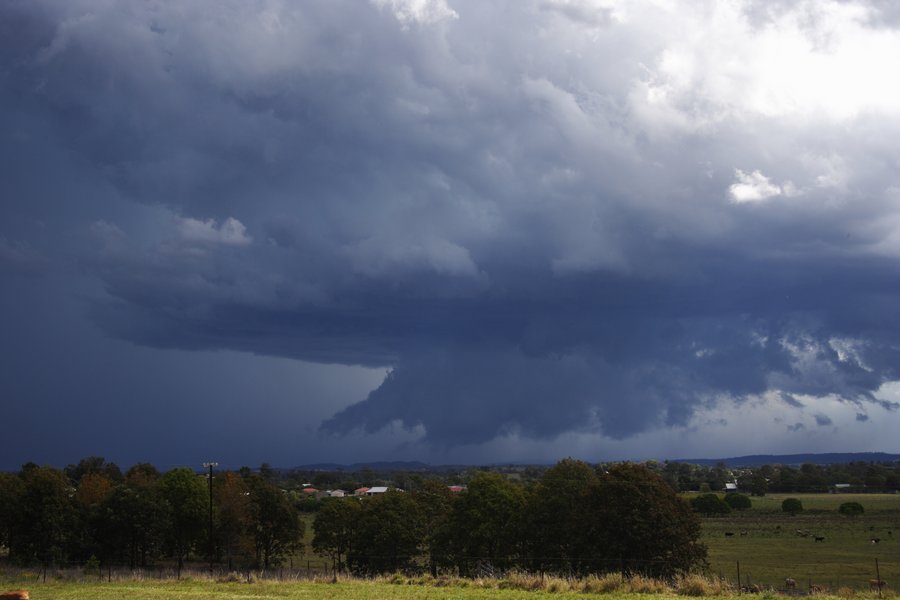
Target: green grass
352	590
771	550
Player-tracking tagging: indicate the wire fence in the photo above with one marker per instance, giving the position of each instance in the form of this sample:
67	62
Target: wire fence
794	577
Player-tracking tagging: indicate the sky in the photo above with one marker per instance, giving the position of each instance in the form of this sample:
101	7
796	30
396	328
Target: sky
451	231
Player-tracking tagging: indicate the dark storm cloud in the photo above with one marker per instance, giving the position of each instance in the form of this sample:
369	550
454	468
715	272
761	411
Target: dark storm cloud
540	228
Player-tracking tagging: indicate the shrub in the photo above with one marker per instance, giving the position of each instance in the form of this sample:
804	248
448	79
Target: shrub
851	509
710	505
738	501
792	506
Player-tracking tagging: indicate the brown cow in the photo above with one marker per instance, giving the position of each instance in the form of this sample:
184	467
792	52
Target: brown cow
17	595
876	584
790	584
815	589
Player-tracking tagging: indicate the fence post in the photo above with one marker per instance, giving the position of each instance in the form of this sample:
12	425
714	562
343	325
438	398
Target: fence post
739	576
878	577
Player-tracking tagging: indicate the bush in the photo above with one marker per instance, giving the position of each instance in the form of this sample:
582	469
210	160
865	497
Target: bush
851	509
738	501
710	505
792	506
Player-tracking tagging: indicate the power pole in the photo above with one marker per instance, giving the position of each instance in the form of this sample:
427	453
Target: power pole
210	466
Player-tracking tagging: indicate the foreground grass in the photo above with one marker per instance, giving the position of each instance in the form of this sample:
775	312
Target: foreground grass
513	587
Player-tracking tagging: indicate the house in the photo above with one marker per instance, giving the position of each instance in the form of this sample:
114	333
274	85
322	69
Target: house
379	489
310	490
360	491
336	493
731	487
456	488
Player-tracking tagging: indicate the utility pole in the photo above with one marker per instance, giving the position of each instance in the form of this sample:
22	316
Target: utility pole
210	466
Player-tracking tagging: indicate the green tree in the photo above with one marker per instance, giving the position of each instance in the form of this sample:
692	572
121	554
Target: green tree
792	506
486	523
12	493
851	509
556	516
434	500
186	495
636	522
389	534
710	505
738	501
274	522
335	528
47	516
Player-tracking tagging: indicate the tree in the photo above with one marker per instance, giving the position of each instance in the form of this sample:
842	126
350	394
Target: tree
635	522
792	506
486	523
232	501
389	534
556	514
738	501
434	500
335	528
186	496
12	492
274	522
46	516
851	509
710	505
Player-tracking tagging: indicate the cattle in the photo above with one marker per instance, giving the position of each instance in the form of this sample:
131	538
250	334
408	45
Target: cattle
876	584
744	533
820	538
16	595
790	584
729	534
876	540
815	589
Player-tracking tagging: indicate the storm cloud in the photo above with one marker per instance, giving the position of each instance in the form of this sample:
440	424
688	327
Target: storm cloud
539	217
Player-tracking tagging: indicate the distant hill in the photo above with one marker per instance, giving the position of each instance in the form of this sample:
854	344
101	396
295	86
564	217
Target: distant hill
754	460
830	458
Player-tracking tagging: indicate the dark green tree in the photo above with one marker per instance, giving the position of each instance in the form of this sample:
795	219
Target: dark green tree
710	505
486	524
335	529
12	494
389	534
274	522
186	495
851	509
434	500
738	501
637	523
47	516
556	512
792	506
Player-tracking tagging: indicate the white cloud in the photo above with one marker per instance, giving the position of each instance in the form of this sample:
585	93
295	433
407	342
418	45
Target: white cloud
231	233
423	12
752	187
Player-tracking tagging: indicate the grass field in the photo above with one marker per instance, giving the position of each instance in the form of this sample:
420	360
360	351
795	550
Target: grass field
383	589
771	549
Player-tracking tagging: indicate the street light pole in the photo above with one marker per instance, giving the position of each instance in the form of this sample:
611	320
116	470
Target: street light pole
210	466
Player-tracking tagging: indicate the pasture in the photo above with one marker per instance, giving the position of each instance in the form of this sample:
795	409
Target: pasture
382	589
772	545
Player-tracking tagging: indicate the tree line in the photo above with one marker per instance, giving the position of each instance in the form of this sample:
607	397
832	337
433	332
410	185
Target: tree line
575	520
93	512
